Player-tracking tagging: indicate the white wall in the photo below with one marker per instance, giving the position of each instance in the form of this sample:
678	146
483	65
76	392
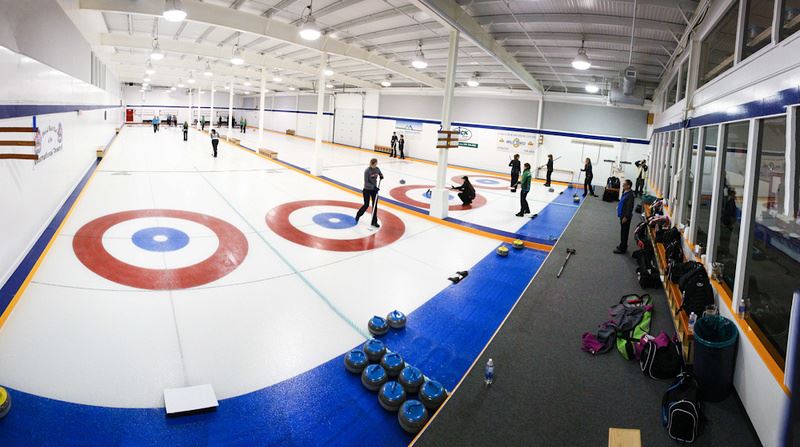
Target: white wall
165	101
32	192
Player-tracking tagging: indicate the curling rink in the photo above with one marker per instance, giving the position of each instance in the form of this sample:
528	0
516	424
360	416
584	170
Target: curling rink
169	268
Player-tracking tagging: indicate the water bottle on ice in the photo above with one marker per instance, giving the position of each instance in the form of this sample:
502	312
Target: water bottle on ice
489	374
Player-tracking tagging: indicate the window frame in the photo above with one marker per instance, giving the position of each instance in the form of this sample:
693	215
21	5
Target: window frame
736	48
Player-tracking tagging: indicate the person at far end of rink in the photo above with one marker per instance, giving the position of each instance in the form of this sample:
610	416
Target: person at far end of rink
467	194
370	191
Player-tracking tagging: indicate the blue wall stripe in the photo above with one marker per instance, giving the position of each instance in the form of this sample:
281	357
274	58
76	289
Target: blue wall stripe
223	108
771	105
18	110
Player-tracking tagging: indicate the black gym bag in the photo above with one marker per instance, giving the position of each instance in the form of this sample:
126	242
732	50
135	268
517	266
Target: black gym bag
647	270
661	357
697	291
681	414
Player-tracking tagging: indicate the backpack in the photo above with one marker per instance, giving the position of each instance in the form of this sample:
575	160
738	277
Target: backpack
640	234
660	357
674	251
667	236
612	182
632	320
647	271
697	291
601	342
678	269
680	409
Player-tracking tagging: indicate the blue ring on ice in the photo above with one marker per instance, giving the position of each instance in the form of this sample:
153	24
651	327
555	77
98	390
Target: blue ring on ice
486	181
160	239
334	221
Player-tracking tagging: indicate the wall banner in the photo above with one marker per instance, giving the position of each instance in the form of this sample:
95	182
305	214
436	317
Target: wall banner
516	142
408	126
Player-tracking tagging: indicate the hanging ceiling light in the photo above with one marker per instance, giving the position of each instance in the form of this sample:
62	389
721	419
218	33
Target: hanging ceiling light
247	82
236	58
387	82
172	88
277	79
419	61
581	61
327	72
328	85
592	87
207	71
180	83
191	79
473	81
148	68
227	87
309	30
146	79
173	11
156	54
292	89
246	92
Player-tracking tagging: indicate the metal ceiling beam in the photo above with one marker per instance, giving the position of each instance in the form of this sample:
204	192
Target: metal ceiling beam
588	37
450	13
283	4
250	23
194	49
583	19
669	4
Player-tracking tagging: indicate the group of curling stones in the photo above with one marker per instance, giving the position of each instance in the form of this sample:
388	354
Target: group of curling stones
395	380
503	249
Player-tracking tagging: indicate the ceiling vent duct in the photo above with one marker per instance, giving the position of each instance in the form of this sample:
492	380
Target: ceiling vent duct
628	80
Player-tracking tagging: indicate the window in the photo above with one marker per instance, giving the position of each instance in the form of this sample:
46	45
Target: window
718	48
706	179
730	216
757	31
790	18
690	175
684	80
773	263
669	95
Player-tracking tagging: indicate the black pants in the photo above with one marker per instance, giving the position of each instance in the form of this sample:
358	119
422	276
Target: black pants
464	199
588	188
639	186
393	152
402	154
185	134
625	229
514	180
214	144
368	194
203	126
547	181
523	202
155	128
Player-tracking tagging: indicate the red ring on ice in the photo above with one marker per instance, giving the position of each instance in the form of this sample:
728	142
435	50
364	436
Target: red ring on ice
88	247
504	183
400	194
392	228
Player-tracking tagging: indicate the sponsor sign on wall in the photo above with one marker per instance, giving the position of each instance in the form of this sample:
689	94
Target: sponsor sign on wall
48	142
516	142
408	126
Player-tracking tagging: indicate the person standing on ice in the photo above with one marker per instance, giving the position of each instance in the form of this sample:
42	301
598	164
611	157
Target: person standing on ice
371	176
515	170
214	141
394	145
185	130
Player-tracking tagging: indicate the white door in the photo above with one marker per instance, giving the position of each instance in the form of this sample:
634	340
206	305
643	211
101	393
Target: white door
347	119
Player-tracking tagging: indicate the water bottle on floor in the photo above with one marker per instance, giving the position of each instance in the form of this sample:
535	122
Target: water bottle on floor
489	374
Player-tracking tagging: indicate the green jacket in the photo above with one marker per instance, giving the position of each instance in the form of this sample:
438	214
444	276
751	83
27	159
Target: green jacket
525	181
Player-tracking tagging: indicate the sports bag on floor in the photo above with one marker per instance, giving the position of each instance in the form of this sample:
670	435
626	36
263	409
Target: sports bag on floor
680	409
647	271
660	357
612	182
632	319
640	234
697	291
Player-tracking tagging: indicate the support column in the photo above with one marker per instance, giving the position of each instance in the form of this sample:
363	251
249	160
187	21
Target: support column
261	107
716	196
790	190
316	160
211	124
749	200
440	202
190	106
697	186
230	110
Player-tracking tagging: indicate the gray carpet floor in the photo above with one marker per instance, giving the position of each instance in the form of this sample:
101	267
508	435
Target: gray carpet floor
547	391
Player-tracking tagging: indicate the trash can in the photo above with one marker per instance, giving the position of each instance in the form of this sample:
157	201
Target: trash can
715	340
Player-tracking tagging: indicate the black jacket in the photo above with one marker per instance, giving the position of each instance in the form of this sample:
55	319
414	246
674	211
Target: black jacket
549	165
468	189
588	170
627	205
515	166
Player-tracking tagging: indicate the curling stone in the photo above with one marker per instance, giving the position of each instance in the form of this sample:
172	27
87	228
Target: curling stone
391	395
396	319
518	244
373	377
374	349
393	363
355	361
551	190
402	182
412	416
5	402
411	378
502	250
432	394
378	326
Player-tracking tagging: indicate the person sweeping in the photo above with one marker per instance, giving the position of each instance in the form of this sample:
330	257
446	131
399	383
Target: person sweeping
370	191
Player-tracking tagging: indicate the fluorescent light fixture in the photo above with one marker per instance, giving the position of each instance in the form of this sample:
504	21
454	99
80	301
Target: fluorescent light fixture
173	11
277	79
292	89
419	61
592	88
247	82
386	83
146	79
141	90
246	93
207	71
581	61
328	85
180	83
191	79
473	81
202	92
327	72
156	54
236	58
148	68
172	88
